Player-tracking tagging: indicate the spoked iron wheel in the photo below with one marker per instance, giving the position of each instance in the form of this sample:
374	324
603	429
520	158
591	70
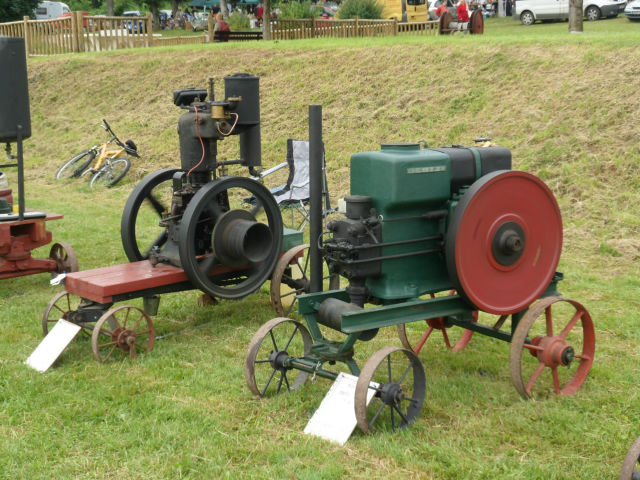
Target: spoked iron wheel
291	278
265	368
563	344
60	306
139	227
122	331
226	250
631	465
393	378
65	258
413	336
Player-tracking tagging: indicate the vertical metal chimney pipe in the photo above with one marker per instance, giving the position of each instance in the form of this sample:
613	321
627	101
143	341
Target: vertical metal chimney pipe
315	195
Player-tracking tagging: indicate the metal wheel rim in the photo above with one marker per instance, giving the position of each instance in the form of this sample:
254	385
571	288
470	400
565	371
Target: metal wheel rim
53	306
363	386
258	272
631	461
106	177
65	257
143	191
102	337
251	358
517	349
73	161
278	274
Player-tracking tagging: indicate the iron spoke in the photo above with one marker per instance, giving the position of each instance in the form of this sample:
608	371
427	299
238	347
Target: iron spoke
126	317
405	373
534	377
556	379
389	366
207	263
583	357
155	203
423	339
280	382
109	355
571	324
268	382
291	337
375	417
262	361
102	345
393	418
404	419
273	339
446	337
284	375
531	346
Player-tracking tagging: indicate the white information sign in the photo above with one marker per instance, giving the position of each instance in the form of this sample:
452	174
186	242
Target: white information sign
52	345
335	418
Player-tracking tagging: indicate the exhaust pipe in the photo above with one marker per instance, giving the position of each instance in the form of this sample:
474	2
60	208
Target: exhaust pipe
315	196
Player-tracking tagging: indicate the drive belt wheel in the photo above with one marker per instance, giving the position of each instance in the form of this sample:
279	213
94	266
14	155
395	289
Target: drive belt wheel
504	241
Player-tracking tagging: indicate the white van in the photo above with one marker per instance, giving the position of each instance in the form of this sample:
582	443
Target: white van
528	11
47	10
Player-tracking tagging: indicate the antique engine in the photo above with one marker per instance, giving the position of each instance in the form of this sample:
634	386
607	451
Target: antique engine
420	221
226	249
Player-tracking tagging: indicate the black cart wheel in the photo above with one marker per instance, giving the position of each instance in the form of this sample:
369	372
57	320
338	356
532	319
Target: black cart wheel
265	368
122	331
225	250
139	227
631	466
393	378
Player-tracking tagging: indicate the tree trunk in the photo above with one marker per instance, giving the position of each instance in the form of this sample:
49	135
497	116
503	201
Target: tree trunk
175	5
575	16
110	10
224	9
266	20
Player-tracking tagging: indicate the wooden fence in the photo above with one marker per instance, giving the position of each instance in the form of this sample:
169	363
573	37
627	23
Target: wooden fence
295	29
78	33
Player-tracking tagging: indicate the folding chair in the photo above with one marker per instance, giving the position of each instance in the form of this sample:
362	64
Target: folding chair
293	196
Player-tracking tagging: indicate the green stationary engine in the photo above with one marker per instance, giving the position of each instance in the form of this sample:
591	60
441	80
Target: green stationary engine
437	236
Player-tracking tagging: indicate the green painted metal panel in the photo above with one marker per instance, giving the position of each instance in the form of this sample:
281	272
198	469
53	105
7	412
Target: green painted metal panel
406	181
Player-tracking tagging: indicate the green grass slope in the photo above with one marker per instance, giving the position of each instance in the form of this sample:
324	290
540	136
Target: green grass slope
567	106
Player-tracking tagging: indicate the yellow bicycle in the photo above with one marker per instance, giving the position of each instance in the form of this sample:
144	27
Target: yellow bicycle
106	166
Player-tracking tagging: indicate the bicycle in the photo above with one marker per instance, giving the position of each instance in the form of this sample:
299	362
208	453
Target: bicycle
107	166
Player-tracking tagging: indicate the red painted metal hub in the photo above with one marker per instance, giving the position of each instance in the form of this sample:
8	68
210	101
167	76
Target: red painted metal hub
504	242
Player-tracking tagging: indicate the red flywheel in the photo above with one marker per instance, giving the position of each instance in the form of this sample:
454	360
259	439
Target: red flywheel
504	241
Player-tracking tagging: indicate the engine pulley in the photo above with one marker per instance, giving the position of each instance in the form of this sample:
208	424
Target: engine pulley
504	241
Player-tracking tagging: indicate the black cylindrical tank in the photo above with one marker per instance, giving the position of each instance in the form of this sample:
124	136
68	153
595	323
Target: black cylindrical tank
14	101
246	86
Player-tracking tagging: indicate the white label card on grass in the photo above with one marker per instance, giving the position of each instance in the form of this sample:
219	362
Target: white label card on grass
335	418
52	345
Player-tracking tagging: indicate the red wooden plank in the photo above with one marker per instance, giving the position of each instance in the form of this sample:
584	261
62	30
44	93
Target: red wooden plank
101	284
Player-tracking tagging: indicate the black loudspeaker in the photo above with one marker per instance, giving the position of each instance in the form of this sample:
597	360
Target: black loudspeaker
14	96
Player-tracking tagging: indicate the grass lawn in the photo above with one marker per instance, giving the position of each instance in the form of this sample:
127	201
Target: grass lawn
566	105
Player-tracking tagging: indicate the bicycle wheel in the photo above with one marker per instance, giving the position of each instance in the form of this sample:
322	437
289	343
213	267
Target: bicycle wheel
74	167
111	173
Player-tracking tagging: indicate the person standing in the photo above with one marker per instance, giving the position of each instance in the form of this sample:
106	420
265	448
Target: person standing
463	12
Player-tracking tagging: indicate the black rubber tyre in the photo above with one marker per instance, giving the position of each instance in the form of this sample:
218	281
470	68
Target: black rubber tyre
76	165
111	173
142	213
592	13
527	18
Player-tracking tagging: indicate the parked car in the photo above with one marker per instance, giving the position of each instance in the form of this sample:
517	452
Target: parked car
632	10
48	10
84	17
134	26
529	11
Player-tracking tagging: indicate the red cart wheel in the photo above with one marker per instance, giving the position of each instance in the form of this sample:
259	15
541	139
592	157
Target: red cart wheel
631	466
552	344
125	329
65	258
413	337
504	242
60	306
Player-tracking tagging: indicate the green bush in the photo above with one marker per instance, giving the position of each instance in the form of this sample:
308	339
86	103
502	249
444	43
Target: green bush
369	9
296	9
238	21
